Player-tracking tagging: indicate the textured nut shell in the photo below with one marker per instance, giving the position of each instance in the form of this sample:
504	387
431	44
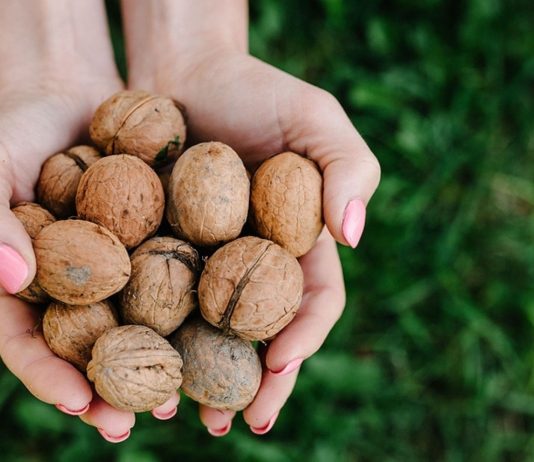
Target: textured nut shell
79	262
140	124
219	371
71	331
123	194
60	175
134	369
161	290
34	218
208	195
251	287
286	202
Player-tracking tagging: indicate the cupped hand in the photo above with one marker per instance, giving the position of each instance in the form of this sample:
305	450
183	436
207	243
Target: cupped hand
261	111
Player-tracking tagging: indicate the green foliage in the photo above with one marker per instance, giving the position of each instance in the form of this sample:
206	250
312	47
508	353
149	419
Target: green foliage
433	358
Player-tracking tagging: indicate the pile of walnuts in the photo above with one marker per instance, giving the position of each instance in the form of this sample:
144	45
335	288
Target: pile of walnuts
124	263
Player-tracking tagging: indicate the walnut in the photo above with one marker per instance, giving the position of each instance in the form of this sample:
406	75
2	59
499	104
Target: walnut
208	195
161	290
251	287
148	126
286	202
220	371
60	175
79	262
34	218
71	331
134	369
123	194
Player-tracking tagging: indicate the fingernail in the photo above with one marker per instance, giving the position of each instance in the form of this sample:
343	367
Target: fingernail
220	431
66	410
13	269
354	222
165	416
113	439
290	367
267	427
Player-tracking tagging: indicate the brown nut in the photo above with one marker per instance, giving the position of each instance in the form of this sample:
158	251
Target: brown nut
60	175
123	194
219	371
79	262
250	287
34	218
208	195
134	369
161	290
148	126
286	202
71	331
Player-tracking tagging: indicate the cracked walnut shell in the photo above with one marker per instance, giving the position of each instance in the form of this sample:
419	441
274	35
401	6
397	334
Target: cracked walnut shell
286	202
148	126
123	194
161	291
134	369
220	371
79	262
59	178
250	287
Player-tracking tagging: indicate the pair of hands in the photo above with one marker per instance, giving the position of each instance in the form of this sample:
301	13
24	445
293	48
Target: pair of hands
231	97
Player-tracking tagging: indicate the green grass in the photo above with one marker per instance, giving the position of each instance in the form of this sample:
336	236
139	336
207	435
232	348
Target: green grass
433	358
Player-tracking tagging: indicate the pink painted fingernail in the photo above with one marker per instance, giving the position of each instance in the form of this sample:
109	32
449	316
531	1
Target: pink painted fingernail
13	269
66	410
354	222
167	416
267	427
113	439
290	367
220	431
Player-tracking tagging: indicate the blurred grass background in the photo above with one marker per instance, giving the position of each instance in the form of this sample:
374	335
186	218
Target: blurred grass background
433	358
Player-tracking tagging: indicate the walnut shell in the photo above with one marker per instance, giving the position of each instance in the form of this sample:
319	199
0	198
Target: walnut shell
148	126
79	262
34	218
60	175
250	287
161	291
134	369
71	331
123	194
286	202
219	371
208	195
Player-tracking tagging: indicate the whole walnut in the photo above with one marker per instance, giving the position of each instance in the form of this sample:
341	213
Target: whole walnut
286	202
123	194
220	371
148	126
60	175
71	331
134	369
208	195
161	291
34	218
79	262
250	287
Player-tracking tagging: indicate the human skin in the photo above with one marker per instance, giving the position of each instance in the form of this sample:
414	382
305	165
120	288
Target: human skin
197	53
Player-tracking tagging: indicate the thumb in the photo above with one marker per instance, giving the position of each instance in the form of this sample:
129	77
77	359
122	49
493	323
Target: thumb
351	172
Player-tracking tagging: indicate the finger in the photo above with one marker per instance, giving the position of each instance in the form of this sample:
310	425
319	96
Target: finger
217	421
25	352
168	409
274	390
113	425
316	125
322	304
